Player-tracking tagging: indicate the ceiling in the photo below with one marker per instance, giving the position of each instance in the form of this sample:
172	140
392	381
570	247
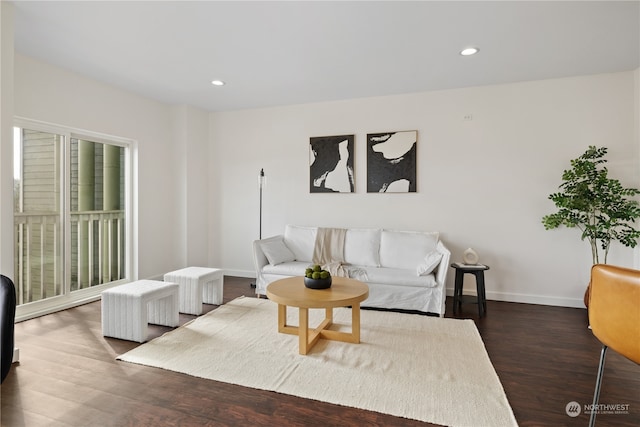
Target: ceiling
282	53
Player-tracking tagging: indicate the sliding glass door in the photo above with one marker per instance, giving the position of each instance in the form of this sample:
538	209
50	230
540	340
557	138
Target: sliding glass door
38	217
97	213
71	213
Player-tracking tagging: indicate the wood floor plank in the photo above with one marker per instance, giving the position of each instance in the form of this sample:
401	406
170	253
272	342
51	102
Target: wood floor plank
544	356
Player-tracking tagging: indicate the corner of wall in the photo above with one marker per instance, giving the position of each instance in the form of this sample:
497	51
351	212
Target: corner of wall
191	140
6	138
180	132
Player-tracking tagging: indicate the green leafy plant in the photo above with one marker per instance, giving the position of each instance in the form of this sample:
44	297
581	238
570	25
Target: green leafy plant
599	206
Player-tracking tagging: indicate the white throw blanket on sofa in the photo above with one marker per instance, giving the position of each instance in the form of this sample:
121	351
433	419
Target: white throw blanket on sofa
328	252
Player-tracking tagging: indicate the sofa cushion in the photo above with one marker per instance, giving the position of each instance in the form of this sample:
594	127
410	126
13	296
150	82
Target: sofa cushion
399	277
301	241
362	247
429	263
277	251
405	249
293	268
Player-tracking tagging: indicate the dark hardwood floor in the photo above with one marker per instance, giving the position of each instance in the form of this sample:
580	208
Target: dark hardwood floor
545	357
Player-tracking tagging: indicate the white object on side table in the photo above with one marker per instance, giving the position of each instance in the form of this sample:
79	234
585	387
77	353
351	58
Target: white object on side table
128	308
470	257
198	285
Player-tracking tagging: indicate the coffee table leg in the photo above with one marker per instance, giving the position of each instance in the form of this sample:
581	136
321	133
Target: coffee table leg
328	315
282	317
355	322
303	331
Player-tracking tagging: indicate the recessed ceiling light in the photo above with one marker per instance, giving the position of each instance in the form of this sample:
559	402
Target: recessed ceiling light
217	82
469	51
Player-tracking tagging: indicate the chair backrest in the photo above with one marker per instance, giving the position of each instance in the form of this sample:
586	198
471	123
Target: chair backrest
7	321
614	309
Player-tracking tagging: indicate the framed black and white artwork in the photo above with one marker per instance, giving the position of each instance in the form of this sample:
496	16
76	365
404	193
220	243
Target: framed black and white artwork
331	164
391	162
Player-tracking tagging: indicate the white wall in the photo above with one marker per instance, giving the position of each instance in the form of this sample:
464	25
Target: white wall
6	138
191	127
482	183
50	94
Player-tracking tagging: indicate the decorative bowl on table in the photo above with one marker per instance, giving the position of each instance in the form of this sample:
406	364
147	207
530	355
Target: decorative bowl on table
317	278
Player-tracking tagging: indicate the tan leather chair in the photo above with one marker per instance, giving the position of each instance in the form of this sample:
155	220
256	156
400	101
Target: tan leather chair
614	316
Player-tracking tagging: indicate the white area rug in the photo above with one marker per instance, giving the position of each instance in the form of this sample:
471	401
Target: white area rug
425	368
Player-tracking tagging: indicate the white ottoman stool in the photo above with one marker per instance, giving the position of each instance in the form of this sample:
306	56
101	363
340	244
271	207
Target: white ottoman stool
126	309
197	285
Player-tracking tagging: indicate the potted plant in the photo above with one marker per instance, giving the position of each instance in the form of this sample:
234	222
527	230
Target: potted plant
599	206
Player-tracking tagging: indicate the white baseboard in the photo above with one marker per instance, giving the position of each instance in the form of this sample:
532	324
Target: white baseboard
249	274
528	299
496	296
16	355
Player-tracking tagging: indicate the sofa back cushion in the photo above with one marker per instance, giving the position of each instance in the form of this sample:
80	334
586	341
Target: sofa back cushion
405	249
301	241
362	247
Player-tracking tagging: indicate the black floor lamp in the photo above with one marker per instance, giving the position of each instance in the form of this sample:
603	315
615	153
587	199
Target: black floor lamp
261	183
262	180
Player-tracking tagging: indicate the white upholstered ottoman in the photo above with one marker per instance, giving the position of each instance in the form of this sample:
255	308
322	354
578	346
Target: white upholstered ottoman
128	308
197	285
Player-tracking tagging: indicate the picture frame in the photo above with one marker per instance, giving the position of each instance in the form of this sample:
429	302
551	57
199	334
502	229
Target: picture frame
391	162
331	164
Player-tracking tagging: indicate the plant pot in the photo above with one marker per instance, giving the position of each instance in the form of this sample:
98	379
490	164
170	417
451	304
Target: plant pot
317	283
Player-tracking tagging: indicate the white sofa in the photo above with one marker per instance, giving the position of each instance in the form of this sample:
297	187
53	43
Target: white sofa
404	269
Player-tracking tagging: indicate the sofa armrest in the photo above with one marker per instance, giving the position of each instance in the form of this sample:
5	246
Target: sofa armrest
441	274
443	267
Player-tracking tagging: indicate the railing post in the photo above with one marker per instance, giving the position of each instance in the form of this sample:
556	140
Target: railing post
90	234
119	243
56	279
43	228
109	275
28	266
21	263
79	255
100	247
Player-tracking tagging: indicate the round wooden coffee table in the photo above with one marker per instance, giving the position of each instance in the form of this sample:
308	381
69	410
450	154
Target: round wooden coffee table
342	293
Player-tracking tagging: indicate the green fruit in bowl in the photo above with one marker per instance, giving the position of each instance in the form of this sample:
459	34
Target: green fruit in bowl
316	272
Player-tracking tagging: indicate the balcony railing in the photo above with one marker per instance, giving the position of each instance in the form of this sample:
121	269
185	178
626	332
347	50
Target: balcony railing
37	239
97	252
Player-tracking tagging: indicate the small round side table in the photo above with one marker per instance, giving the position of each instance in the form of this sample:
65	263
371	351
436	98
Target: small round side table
481	299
